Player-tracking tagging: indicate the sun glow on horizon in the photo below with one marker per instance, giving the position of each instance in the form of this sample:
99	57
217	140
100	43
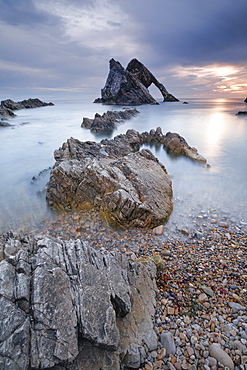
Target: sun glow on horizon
214	77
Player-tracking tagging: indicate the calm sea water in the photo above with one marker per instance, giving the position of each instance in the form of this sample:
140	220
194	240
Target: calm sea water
209	125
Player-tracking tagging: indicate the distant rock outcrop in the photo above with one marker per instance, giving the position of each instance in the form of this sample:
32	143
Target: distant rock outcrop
6	112
141	73
4	122
7	106
130	86
245	100
242	113
107	122
65	305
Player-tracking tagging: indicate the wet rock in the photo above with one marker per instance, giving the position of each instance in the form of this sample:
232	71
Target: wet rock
177	144
24	104
5	112
130	86
107	122
132	190
4	123
7	107
220	355
242	113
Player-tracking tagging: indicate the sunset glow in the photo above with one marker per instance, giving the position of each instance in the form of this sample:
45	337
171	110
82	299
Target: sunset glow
217	78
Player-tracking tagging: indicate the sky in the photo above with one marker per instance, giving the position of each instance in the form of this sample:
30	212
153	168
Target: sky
196	48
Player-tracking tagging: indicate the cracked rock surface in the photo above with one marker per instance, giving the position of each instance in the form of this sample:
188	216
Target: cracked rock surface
128	187
65	305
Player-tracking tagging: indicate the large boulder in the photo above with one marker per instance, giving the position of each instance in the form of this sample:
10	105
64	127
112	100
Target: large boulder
130	86
66	305
132	190
129	188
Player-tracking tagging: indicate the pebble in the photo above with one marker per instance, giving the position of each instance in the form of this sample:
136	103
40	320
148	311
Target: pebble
167	341
202	293
162	354
221	356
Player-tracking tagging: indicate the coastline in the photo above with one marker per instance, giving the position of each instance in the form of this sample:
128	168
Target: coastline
202	296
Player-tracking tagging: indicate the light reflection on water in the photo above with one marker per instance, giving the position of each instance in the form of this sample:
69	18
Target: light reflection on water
210	125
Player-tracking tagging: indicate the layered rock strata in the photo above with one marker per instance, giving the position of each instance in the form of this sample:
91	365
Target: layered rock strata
130	86
130	188
67	306
107	121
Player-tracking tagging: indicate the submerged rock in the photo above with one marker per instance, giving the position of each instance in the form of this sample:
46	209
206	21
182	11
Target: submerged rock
242	113
4	122
66	305
130	86
107	122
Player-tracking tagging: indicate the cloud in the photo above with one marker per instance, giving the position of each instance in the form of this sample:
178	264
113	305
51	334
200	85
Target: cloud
24	13
67	44
99	25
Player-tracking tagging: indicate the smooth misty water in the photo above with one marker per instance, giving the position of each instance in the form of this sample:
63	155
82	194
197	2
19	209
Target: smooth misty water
210	125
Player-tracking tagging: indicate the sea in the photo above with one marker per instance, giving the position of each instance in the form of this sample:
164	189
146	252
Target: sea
214	194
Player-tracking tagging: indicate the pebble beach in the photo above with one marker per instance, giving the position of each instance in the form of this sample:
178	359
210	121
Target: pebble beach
201	305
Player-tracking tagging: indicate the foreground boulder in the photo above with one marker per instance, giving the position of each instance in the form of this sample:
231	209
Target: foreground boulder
130	86
107	122
132	190
66	305
128	187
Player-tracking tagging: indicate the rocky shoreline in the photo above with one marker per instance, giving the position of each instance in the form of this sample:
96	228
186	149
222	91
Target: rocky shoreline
200	318
200	315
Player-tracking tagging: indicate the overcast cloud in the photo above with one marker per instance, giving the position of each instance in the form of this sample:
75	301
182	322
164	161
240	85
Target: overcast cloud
194	47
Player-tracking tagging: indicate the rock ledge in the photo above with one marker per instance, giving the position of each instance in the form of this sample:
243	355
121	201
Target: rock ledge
66	305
